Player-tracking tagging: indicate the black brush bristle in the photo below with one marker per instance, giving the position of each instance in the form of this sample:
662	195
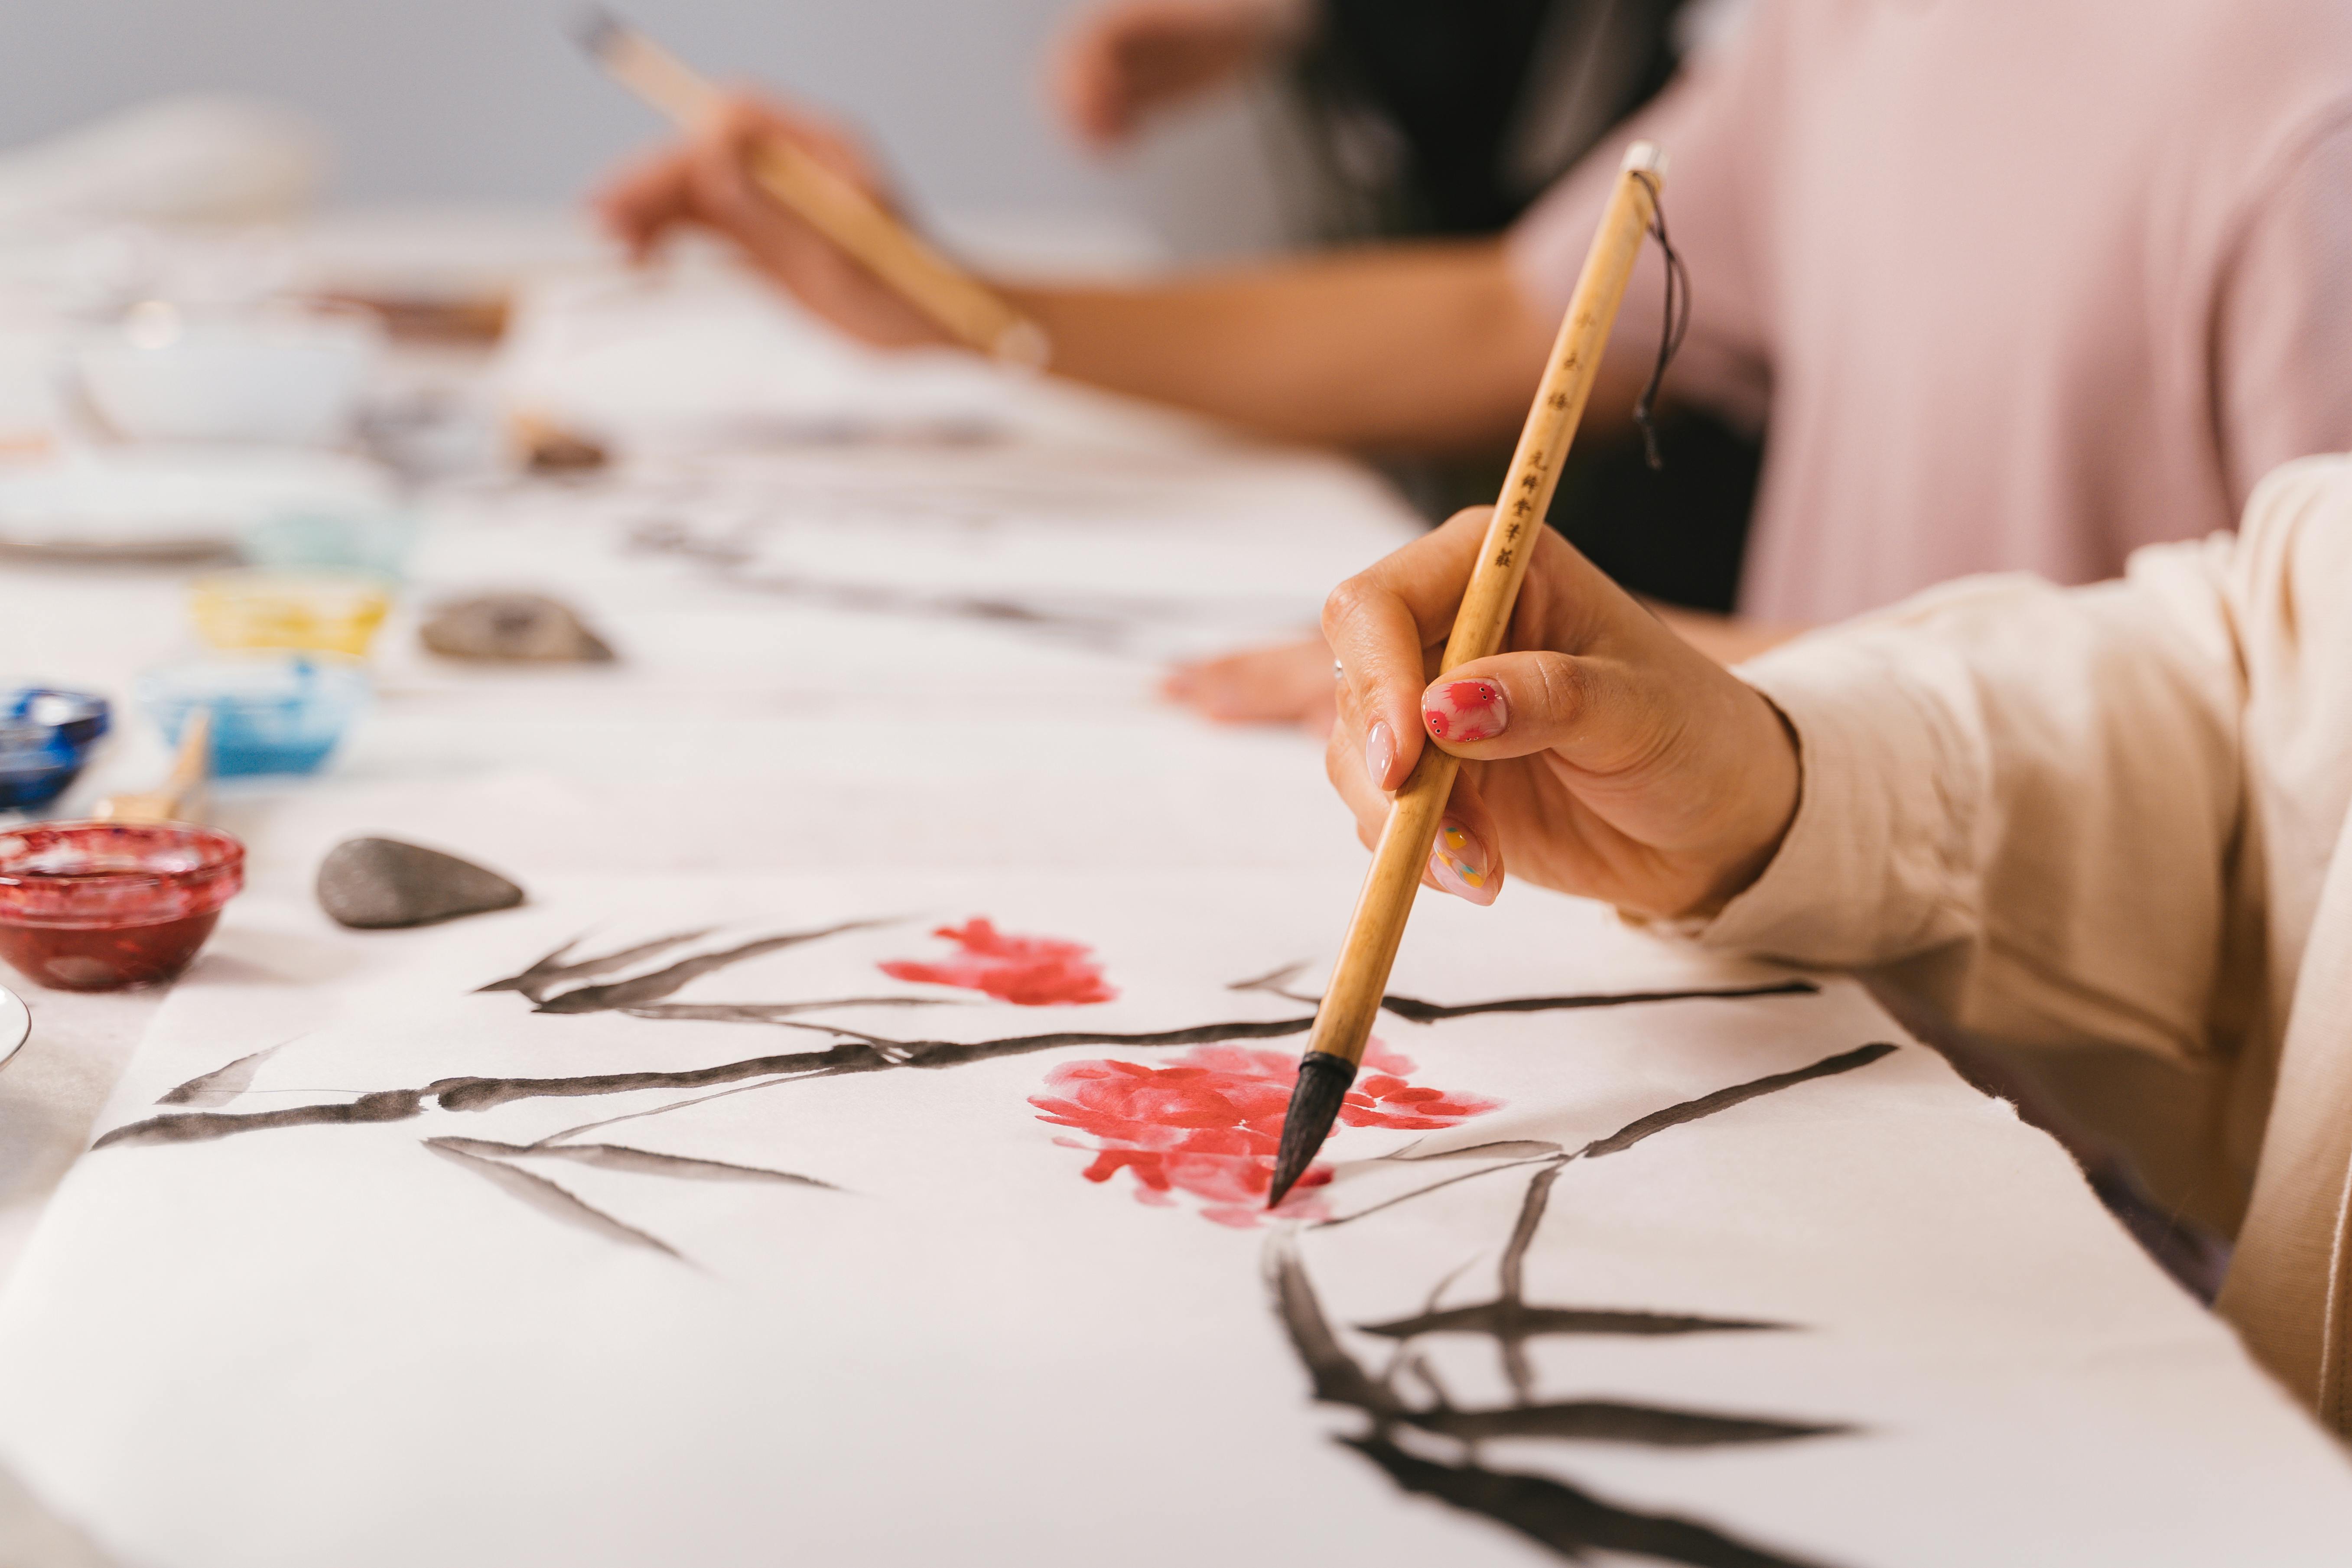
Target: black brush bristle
1324	1080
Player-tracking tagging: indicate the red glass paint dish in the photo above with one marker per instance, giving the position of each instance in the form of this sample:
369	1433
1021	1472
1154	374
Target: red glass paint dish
97	906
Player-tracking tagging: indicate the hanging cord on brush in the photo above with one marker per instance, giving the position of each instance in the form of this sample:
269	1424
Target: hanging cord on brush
1675	328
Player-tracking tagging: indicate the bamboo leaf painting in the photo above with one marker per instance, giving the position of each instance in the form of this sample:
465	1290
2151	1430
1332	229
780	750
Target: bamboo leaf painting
1182	1116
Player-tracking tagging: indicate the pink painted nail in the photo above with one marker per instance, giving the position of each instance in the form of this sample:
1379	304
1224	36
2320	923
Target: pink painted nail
1380	751
1461	865
1466	711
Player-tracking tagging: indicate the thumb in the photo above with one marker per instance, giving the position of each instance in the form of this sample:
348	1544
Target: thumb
1589	710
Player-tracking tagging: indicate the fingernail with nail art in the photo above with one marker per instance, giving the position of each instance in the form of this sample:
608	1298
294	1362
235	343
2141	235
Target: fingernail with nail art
1460	864
1379	752
1463	710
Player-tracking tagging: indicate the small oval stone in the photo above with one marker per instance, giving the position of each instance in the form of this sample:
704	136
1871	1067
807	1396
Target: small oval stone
378	884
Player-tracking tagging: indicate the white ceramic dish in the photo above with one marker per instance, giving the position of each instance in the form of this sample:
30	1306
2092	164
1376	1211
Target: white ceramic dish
16	1024
172	502
283	374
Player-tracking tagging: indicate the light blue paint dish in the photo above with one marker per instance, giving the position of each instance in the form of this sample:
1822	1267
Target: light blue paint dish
272	713
375	544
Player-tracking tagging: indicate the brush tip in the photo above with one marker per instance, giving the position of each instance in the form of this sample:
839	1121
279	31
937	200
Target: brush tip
1324	1080
596	27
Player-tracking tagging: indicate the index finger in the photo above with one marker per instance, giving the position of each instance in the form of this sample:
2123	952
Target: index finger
1381	621
645	199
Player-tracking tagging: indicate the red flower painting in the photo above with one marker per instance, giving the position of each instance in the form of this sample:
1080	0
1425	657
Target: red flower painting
1208	1123
1027	971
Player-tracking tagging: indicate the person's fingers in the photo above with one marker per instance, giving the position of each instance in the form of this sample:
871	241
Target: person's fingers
1684	777
1322	713
1627	763
1381	624
1602	716
645	199
1285	684
722	195
1343	764
1216	689
707	178
1467	860
727	195
1086	82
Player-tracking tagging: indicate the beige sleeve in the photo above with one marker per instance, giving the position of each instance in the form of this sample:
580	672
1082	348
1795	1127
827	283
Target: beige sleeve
2025	796
2282	347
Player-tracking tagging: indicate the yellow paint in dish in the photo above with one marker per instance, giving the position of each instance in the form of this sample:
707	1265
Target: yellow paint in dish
324	612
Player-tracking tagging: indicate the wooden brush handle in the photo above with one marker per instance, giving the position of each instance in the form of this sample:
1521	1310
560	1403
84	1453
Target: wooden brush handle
178	800
1534	474
193	762
1352	999
974	314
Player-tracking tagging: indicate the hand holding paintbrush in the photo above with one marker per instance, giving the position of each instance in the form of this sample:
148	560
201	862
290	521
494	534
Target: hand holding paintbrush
1634	785
805	202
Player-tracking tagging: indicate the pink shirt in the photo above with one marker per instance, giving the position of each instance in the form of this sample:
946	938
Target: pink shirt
2022	284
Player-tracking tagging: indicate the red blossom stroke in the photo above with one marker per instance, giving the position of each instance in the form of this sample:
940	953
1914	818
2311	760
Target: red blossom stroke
1209	1123
1028	971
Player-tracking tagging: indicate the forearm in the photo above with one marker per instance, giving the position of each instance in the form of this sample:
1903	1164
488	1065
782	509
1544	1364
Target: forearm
1424	348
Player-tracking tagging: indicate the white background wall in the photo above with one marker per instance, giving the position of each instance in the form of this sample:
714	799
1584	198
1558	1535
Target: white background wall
438	101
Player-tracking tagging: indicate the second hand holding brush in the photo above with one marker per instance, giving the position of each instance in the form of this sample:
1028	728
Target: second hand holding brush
940	291
1343	1023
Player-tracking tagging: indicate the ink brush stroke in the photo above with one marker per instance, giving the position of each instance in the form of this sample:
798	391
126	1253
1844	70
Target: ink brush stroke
1611	1421
638	1161
863	1053
1093	631
1567	1520
856	1051
859	1053
540	981
1649	1126
1501	1320
1570	1521
222	1083
549	1199
1416	1011
543	976
1413	1010
639	990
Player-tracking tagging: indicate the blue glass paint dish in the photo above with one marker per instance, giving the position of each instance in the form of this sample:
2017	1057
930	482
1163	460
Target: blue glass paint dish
45	737
272	713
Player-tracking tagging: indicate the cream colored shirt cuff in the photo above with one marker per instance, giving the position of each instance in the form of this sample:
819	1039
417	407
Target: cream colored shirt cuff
1872	867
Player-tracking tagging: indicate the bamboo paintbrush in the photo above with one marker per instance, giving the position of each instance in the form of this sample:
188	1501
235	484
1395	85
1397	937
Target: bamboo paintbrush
180	798
965	308
1343	1023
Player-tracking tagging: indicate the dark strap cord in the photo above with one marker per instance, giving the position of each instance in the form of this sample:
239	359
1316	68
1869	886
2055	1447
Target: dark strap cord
1676	325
